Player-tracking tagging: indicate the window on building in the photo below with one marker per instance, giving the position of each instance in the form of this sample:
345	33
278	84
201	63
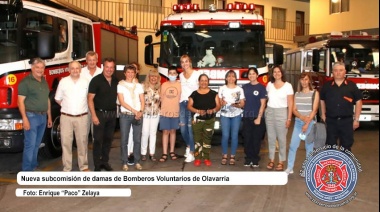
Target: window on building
153	6
184	1
278	17
338	6
259	9
219	3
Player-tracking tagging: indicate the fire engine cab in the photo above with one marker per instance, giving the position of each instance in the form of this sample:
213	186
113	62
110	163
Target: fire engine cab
360	53
31	29
216	40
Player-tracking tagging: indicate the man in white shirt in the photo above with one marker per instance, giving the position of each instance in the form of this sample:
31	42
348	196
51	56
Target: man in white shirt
88	72
72	96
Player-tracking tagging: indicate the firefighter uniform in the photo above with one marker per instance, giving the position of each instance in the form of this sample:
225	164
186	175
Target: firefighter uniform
340	101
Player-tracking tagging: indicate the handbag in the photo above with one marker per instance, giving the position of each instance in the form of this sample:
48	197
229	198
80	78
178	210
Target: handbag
317	134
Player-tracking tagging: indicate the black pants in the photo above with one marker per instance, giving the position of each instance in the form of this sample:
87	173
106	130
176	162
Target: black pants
103	136
341	129
253	134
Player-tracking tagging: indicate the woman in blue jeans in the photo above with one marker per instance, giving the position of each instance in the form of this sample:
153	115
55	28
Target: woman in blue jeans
189	83
305	108
132	103
232	101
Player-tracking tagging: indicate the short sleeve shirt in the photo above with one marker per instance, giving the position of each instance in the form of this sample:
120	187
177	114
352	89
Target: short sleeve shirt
204	102
253	96
170	96
105	93
131	94
340	100
152	101
36	93
278	98
188	85
231	96
73	95
86	73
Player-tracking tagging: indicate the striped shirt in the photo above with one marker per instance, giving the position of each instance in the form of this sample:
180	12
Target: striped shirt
304	102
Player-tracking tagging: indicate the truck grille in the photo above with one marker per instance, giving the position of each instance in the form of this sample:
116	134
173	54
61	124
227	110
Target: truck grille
5	96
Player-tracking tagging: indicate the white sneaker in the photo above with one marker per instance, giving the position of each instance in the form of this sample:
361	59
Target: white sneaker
187	152
190	158
289	171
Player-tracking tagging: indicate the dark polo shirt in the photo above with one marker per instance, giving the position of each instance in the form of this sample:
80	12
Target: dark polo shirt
340	100
105	94
36	93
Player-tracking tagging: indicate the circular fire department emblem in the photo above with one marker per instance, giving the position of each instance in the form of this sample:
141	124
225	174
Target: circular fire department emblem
331	175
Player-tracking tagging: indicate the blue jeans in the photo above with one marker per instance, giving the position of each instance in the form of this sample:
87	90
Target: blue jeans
185	125
126	121
230	126
295	142
32	140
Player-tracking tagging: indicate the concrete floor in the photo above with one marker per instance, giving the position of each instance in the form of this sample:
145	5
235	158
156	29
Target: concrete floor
290	197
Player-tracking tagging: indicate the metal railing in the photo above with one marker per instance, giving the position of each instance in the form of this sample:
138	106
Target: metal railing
147	18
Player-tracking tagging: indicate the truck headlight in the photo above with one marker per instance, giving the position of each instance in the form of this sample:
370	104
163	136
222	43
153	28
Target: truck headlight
10	124
216	125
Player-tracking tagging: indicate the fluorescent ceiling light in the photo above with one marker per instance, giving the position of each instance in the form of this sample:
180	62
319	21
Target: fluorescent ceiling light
356	46
203	35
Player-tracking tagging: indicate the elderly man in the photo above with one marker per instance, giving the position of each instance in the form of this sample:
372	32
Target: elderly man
338	98
34	105
72	96
88	72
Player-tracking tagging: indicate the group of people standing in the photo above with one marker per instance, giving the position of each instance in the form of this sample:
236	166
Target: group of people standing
91	97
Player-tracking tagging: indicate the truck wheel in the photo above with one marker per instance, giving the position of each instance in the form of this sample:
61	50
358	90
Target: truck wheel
52	140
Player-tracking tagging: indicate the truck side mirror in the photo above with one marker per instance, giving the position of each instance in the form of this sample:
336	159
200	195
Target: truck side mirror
315	60
46	45
278	54
148	54
148	39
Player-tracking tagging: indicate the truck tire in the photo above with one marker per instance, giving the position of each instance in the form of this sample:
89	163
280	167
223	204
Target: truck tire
52	140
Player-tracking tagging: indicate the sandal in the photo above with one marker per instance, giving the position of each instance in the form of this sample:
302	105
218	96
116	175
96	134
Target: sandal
152	158
232	160
143	157
224	160
270	165
280	167
163	158
173	156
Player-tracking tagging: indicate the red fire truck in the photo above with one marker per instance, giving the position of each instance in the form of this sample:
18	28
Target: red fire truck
360	53
29	29
216	40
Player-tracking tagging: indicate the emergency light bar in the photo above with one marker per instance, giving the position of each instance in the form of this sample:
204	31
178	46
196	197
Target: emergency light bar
178	8
240	6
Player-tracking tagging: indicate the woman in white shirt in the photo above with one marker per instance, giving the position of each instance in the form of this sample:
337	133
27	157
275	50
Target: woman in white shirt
131	97
232	101
278	116
189	83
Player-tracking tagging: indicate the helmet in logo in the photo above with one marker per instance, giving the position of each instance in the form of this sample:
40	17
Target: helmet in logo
366	94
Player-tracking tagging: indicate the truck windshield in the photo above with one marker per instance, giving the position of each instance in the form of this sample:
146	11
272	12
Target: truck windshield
358	57
8	36
238	48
